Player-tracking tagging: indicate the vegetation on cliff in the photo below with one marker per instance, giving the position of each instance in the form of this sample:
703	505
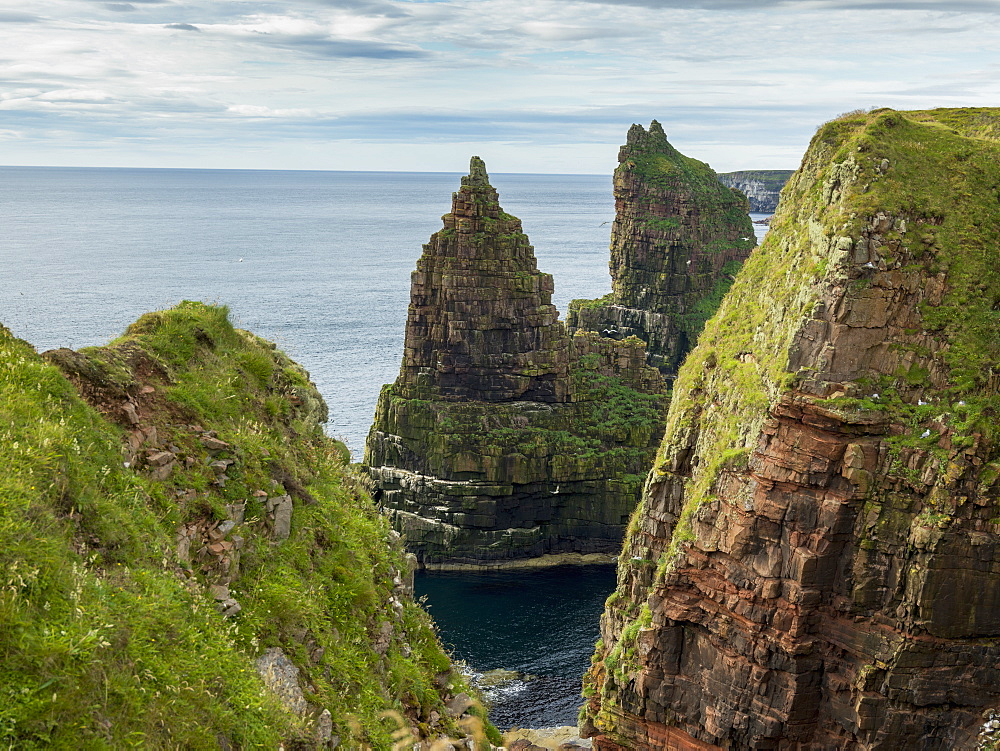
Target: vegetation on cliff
678	239
825	501
504	438
178	537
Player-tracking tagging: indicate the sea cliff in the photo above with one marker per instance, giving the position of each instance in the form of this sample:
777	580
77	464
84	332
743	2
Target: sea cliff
761	187
677	241
188	561
504	438
816	559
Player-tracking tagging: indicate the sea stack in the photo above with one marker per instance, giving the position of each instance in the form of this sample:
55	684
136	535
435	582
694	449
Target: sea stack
678	239
816	560
481	324
504	438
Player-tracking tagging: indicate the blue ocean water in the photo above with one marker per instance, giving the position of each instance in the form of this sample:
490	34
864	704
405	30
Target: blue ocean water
540	623
319	262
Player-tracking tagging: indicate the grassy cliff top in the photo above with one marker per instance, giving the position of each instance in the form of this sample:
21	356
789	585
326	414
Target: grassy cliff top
110	637
939	171
875	301
650	156
931	179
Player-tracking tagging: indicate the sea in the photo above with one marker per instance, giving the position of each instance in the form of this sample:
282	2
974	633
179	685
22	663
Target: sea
318	262
525	637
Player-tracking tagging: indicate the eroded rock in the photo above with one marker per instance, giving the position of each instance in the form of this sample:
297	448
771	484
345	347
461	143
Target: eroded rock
280	511
282	676
817	561
678	239
503	437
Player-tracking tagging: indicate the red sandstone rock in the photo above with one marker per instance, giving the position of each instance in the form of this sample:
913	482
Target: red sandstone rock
812	572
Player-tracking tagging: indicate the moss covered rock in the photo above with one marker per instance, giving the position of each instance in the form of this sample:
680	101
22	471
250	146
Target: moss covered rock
816	560
504	438
678	239
186	561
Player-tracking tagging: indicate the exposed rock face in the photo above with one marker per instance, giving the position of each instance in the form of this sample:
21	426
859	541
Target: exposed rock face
678	239
503	437
816	560
761	187
481	324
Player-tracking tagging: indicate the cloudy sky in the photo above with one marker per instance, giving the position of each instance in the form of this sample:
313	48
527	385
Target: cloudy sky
531	85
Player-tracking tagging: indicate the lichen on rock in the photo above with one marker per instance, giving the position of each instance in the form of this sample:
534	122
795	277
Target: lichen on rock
503	437
678	239
814	563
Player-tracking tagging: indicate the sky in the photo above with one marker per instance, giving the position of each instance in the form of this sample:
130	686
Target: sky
546	86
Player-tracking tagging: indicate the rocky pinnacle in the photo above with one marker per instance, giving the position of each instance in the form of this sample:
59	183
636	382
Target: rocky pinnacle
678	238
481	322
504	438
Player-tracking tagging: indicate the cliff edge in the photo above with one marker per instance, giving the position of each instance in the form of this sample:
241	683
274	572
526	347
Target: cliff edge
816	560
188	562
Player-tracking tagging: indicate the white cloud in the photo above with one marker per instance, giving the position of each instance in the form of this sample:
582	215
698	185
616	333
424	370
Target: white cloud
734	86
256	110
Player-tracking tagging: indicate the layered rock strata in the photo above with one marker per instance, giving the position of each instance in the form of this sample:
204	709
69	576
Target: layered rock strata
761	187
678	239
504	438
816	560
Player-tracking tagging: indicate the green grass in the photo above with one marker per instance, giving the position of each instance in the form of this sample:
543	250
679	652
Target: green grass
107	639
610	427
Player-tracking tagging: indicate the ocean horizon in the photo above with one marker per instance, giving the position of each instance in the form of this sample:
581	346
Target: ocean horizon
317	261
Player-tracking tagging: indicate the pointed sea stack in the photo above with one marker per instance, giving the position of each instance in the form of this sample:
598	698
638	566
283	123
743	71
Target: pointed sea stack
504	438
678	239
481	323
816	560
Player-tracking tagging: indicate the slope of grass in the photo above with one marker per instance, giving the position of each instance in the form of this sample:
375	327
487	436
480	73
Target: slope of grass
108	638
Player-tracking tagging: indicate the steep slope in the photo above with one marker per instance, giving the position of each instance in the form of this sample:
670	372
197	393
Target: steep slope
816	560
678	239
503	438
186	561
761	187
